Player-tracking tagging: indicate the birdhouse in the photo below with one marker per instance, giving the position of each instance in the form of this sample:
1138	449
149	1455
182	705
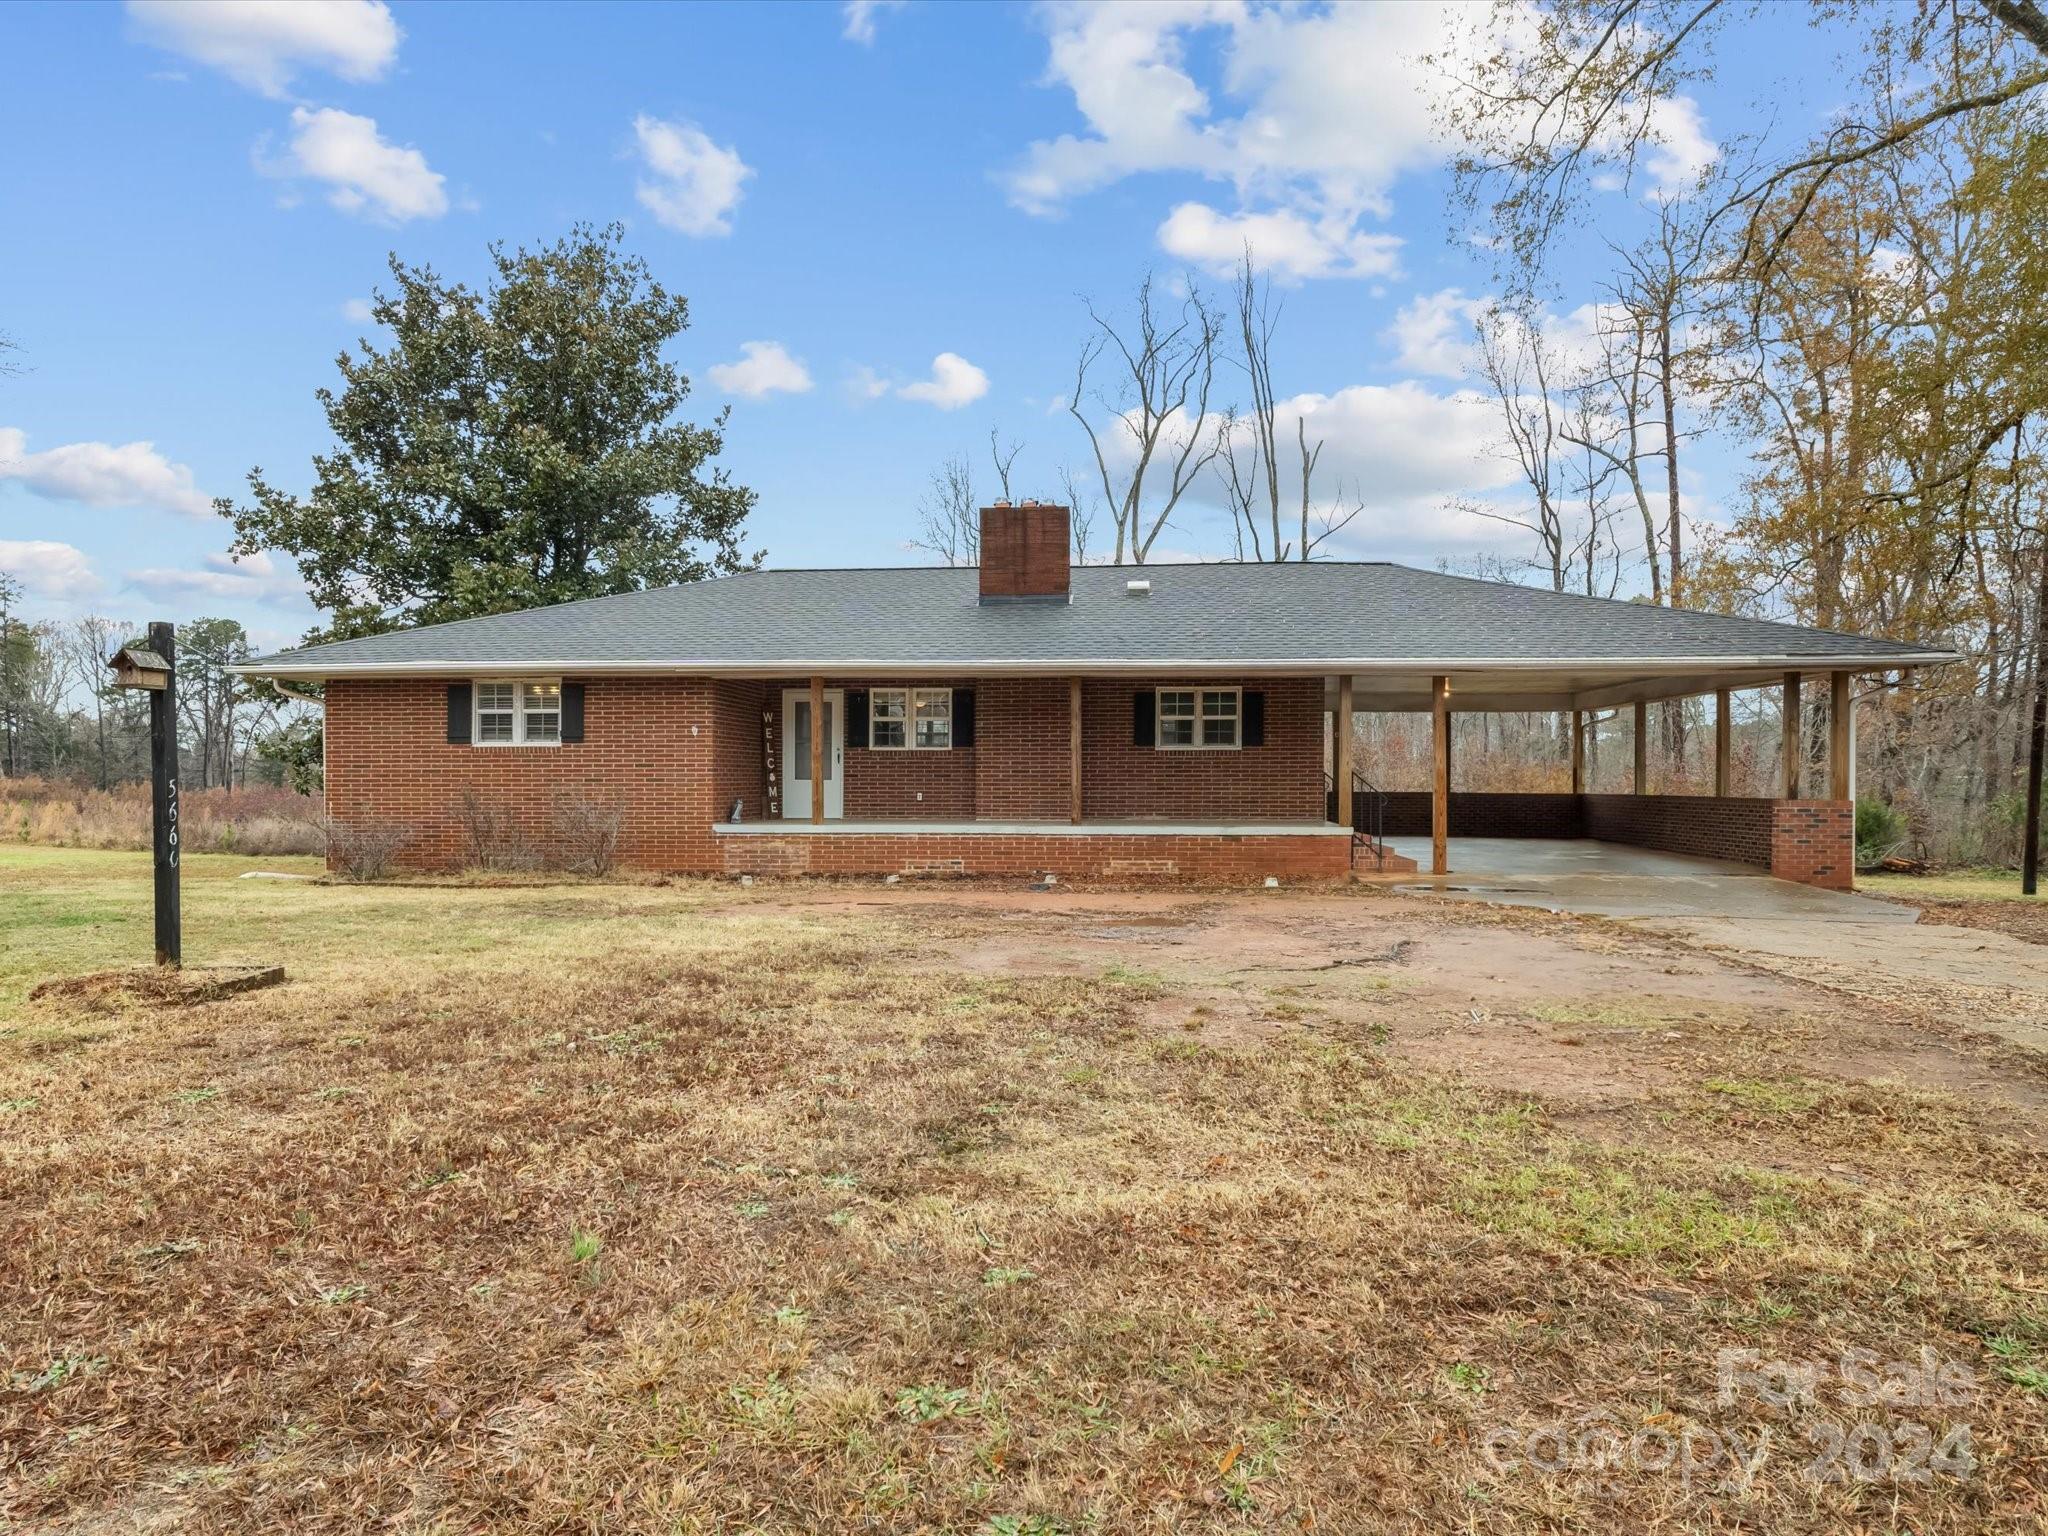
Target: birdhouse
135	667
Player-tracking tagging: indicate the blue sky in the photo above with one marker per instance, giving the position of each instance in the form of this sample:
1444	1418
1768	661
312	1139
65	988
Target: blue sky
199	196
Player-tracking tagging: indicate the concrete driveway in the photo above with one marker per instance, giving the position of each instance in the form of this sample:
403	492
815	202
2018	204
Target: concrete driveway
1860	945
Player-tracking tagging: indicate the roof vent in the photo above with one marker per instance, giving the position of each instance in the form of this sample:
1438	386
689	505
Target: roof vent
1138	588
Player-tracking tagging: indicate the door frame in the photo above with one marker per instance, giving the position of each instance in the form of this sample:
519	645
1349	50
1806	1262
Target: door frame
796	771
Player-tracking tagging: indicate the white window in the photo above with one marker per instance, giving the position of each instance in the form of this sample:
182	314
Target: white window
1199	718
912	718
888	718
518	714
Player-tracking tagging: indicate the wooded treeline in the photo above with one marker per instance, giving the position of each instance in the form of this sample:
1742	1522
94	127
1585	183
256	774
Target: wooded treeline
62	718
1861	315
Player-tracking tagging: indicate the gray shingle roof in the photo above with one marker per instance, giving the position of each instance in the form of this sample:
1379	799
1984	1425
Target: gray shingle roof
1271	616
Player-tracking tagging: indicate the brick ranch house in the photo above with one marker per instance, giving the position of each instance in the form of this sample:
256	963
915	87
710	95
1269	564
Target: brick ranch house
1026	717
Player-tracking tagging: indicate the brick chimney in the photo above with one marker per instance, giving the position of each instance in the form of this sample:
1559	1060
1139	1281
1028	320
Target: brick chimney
1024	553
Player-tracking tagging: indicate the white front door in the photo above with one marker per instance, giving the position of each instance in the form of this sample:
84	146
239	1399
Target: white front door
796	754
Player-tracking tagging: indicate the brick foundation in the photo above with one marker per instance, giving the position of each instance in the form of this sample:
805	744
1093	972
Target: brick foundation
1235	859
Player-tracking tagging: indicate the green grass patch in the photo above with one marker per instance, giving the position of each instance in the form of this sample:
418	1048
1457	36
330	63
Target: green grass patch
1788	1096
1619	1213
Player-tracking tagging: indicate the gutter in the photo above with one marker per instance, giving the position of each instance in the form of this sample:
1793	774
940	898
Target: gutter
1636	667
286	691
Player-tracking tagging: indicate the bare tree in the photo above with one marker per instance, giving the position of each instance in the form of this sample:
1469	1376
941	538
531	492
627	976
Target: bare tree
1081	509
949	518
1515	358
1579	100
1159	401
1249	445
92	642
1003	459
1254	436
1609	417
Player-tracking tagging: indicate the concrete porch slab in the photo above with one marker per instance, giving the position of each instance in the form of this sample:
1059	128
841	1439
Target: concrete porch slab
1614	880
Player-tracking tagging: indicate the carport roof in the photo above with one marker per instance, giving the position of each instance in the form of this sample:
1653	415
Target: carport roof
1368	618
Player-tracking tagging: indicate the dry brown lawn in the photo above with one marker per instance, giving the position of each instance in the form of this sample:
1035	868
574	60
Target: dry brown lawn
682	1208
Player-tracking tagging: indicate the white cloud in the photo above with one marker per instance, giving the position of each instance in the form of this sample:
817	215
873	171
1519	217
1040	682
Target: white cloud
222	578
1402	441
48	570
1321	112
1432	333
364	173
1683	152
763	368
261	44
860	18
954	382
692	185
864	383
102	475
1287	244
1309	114
357	311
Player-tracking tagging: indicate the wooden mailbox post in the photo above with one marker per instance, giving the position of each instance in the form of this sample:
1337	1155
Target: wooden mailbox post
153	667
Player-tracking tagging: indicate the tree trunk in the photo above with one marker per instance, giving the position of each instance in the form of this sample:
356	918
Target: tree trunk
2037	738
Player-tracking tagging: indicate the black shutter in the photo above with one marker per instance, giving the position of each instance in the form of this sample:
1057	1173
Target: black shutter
963	717
572	711
856	717
458	714
1252	727
1144	718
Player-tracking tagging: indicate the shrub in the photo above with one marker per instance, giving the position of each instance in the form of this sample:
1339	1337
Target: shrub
365	850
493	838
1880	829
587	834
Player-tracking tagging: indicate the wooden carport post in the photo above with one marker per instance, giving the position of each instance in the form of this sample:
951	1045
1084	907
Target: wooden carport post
1724	737
1641	786
1340	751
1074	747
1841	739
1440	798
818	749
1578	752
1794	747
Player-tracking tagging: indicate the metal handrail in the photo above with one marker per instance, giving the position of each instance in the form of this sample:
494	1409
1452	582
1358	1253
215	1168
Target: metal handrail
1368	813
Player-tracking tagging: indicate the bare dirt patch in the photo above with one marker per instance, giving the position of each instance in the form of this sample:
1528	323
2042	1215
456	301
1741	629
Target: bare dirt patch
161	986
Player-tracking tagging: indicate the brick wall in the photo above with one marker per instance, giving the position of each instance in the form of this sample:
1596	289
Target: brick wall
1281	781
648	745
741	714
1705	826
1110	856
1477	813
675	753
1814	842
1023	756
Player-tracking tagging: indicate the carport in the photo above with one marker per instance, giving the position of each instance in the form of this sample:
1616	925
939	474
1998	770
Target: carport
1805	832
